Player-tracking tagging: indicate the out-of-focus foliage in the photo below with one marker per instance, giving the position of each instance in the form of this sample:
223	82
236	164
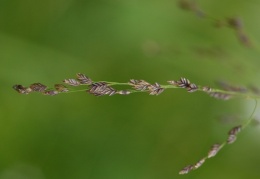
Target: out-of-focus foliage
132	137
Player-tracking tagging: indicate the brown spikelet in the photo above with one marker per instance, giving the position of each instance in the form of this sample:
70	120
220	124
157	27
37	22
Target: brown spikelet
173	82
232	134
235	23
219	95
83	79
38	87
243	38
183	83
199	163
61	88
192	88
206	89
186	169
123	92
71	82
185	5
231	139
50	92
254	89
140	85
155	89
214	150
229	87
21	89
100	89
235	130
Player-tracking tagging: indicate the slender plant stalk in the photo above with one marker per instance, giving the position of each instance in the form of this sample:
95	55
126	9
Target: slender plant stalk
101	88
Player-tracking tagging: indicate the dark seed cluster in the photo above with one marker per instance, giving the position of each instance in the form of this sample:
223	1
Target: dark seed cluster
234	23
227	87
232	135
141	85
38	87
100	89
83	79
184	83
95	88
21	89
155	89
219	95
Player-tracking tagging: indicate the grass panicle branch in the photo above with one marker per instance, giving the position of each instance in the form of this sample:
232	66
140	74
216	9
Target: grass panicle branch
234	23
232	136
101	88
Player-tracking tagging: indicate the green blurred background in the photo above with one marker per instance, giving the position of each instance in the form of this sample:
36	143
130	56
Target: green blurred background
79	136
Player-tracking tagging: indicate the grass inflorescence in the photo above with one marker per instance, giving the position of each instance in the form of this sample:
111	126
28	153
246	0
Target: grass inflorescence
234	23
101	88
215	148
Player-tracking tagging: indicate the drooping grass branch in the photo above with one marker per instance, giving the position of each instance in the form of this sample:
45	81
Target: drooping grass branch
101	88
234	23
215	148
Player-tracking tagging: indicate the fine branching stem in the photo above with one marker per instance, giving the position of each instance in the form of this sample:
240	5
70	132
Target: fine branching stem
82	83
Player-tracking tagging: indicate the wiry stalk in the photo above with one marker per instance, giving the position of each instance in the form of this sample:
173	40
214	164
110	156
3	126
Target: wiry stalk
232	136
101	88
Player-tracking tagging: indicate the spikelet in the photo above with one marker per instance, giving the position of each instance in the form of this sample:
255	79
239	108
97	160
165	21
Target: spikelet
100	89
155	89
254	89
199	163
235	23
71	82
183	83
185	5
229	87
235	130
123	92
243	38
232	134
38	87
186	169
231	139
21	89
219	95
83	79
50	92
173	82
61	88
192	88
214	150
139	85
206	89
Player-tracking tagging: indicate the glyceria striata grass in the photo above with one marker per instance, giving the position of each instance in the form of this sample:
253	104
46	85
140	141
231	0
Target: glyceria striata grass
101	88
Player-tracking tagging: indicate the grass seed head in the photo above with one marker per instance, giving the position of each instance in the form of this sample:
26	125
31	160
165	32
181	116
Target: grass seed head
83	79
214	150
61	88
38	87
71	82
21	89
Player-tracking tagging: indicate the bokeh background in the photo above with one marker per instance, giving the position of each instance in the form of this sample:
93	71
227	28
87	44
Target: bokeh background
79	136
